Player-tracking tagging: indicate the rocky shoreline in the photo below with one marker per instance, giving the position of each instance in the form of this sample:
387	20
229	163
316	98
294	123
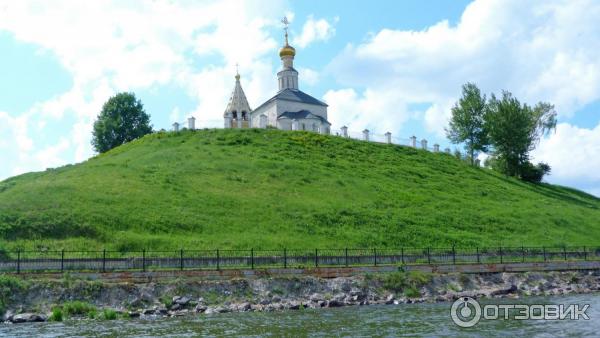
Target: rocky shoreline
34	301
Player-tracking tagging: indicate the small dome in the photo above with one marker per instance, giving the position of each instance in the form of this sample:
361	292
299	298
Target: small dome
287	50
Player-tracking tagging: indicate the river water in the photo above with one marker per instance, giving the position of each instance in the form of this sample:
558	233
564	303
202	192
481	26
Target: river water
366	321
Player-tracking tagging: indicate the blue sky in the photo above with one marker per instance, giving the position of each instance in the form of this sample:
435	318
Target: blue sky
387	66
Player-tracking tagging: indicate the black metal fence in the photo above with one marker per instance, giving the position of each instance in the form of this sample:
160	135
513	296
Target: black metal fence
64	260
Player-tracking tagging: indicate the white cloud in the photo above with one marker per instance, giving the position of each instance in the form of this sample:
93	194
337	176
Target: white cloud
112	46
435	117
15	129
574	155
175	115
315	30
540	51
369	110
308	76
17	148
51	156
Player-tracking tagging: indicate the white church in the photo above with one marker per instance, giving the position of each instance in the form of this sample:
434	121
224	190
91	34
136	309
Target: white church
289	109
292	109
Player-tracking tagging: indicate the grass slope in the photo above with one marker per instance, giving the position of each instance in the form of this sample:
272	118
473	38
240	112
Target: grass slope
272	189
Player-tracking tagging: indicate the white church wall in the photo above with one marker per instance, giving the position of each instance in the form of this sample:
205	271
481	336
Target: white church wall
283	106
271	113
274	109
269	110
284	124
304	124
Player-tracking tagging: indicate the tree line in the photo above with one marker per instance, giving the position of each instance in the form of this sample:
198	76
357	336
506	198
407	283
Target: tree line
504	128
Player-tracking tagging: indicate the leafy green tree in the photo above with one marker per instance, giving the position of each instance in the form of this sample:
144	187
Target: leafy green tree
121	120
467	124
515	130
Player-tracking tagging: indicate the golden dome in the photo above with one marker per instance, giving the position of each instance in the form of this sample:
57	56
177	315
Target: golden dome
287	50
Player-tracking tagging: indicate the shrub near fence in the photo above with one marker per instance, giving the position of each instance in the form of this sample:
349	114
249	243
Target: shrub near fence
64	260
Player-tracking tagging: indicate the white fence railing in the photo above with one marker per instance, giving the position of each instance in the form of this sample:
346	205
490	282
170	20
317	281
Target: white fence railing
365	135
389	138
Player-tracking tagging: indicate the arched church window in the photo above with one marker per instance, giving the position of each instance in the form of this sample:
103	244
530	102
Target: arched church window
244	116
234	114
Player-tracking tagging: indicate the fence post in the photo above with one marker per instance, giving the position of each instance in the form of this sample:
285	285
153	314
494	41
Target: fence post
181	259
284	258
375	255
565	252
19	261
62	260
428	257
453	255
501	260
346	252
252	258
144	260
402	255
544	252
478	260
584	254
523	252
104	260
218	261
344	131
316	258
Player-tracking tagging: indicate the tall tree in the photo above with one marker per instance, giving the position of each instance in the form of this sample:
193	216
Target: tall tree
467	124
121	120
515	130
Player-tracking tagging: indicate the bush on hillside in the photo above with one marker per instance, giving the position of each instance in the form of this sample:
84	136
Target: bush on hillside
534	173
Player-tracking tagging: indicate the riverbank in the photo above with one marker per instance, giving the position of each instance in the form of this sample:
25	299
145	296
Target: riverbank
413	320
26	300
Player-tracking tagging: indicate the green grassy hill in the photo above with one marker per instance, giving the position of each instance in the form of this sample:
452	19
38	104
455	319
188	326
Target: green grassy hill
273	189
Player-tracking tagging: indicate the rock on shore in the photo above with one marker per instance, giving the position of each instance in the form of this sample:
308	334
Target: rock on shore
193	297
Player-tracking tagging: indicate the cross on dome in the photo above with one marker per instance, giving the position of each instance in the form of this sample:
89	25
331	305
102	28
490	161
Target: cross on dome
285	23
286	50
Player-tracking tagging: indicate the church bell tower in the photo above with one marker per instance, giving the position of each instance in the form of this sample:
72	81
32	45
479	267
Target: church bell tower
237	113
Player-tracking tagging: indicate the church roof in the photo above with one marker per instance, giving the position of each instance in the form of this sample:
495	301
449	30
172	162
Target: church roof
302	114
238	101
294	95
